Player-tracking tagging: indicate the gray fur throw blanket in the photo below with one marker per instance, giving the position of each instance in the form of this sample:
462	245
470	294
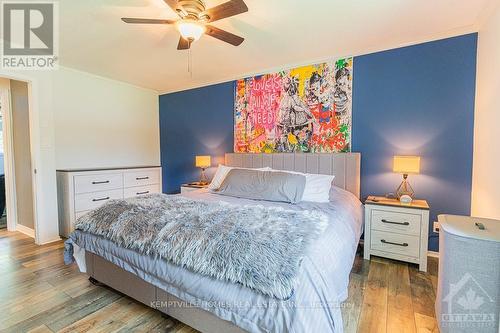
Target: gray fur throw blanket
259	247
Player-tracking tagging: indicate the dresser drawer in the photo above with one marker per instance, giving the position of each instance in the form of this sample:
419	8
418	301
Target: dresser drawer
403	223
98	182
141	177
88	201
395	243
140	190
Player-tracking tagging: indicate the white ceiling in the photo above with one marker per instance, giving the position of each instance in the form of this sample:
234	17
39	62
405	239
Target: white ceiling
279	33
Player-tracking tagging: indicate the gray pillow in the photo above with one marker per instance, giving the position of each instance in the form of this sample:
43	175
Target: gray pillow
263	185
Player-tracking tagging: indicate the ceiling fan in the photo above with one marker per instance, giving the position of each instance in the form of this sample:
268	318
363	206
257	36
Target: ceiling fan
194	19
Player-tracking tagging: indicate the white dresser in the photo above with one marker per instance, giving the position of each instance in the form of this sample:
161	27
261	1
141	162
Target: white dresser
397	231
81	190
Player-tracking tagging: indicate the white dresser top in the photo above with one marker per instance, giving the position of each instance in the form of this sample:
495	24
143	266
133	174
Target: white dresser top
465	226
108	168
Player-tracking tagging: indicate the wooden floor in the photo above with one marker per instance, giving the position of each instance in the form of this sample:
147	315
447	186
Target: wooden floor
38	293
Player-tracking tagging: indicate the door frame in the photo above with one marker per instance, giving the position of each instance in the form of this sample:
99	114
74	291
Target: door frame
10	177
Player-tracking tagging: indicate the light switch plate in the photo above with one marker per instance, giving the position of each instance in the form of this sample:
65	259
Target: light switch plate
435	227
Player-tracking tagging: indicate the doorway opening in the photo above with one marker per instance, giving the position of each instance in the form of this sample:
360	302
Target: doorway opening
3	215
16	172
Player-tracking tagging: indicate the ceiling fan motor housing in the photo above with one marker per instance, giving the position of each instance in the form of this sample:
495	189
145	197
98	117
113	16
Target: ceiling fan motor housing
195	18
192	9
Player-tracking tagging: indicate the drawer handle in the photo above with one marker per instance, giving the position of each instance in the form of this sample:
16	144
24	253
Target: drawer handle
392	222
141	178
102	182
145	192
399	244
101	199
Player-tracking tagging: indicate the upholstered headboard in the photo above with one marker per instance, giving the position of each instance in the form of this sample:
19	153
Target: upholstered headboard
344	166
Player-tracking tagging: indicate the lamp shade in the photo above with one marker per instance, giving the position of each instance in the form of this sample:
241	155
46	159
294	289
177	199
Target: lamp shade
203	161
406	164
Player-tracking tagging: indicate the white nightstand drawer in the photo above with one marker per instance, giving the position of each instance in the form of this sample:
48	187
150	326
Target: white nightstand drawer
140	190
141	177
98	182
89	201
395	243
403	223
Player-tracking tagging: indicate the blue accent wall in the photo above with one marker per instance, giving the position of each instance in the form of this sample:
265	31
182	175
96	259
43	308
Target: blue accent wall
415	100
194	122
418	100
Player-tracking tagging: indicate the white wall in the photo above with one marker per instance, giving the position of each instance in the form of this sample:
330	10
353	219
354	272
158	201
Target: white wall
104	123
75	107
486	175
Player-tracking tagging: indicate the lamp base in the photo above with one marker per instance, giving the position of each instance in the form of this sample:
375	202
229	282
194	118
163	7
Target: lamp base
203	178
404	188
201	184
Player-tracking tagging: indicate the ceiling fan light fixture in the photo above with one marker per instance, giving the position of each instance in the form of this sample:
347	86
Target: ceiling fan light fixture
190	30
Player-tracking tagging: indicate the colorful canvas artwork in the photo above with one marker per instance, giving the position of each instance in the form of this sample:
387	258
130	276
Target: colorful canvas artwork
305	109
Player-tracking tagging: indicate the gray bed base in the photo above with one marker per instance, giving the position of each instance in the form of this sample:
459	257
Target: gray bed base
129	284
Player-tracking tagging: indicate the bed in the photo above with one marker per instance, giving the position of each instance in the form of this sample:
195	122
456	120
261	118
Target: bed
212	305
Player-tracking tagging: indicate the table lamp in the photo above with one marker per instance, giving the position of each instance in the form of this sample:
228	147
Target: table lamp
406	165
203	162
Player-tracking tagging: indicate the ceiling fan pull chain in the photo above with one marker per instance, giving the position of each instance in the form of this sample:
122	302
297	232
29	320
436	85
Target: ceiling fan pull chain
190	61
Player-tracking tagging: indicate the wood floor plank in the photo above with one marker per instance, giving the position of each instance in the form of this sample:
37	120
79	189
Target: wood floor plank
68	312
18	295
150	321
351	308
373	316
168	324
400	316
40	329
432	270
80	307
108	319
426	324
74	286
422	292
31	309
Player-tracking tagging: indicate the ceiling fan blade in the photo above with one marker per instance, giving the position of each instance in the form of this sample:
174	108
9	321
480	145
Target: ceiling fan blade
146	21
177	9
227	9
224	35
172	4
183	44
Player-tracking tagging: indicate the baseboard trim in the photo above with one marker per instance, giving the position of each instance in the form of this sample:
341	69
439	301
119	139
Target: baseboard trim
50	241
25	230
433	254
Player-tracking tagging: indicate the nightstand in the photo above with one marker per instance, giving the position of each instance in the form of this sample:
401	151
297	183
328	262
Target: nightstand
397	231
185	188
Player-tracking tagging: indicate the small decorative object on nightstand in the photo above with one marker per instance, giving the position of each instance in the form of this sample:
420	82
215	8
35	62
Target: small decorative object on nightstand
397	231
185	188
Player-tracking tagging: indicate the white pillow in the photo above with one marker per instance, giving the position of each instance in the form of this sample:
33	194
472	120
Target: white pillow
221	174
317	187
